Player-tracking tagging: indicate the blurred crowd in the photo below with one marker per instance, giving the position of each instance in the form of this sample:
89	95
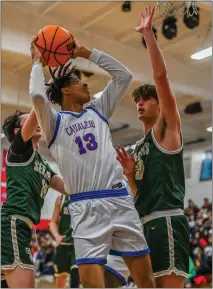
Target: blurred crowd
200	223
43	248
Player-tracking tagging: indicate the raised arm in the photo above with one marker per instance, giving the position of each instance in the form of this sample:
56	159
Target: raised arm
168	107
121	78
29	126
47	117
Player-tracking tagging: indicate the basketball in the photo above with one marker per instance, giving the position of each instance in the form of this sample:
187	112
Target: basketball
56	45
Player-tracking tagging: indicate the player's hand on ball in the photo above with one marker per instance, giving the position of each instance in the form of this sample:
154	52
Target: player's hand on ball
35	53
80	50
59	238
127	162
146	20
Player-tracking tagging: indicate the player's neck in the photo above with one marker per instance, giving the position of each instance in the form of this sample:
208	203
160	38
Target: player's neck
35	144
74	107
148	126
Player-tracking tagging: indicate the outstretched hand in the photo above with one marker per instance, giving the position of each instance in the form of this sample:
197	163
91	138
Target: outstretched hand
146	20
35	52
59	239
127	162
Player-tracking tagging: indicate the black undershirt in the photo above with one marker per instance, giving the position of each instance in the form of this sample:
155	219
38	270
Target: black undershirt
20	151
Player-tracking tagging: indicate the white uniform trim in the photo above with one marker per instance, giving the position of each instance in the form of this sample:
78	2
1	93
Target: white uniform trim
172	268
17	261
20	164
159	214
162	149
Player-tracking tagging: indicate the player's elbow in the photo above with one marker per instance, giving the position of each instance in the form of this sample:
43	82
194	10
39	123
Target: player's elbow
125	78
37	99
128	76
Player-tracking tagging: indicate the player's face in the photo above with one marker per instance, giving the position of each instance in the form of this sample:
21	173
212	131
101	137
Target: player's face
38	133
148	110
79	91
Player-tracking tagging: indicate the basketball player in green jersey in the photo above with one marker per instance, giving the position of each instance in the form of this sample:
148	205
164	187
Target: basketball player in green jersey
156	172
28	179
65	262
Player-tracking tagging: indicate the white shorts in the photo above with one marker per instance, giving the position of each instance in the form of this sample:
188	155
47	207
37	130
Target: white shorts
117	266
106	221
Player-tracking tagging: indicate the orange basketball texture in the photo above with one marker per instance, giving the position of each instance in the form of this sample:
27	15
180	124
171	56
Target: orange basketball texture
56	45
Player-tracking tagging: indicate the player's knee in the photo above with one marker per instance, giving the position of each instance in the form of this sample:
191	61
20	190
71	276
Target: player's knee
91	275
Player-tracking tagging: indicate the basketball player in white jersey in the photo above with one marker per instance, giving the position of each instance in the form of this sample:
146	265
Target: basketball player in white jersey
102	211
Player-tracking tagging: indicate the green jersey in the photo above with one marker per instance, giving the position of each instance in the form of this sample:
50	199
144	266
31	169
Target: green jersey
159	177
65	227
28	179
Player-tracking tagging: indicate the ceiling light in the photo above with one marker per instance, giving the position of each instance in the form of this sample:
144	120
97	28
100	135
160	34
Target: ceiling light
169	28
126	7
202	54
193	108
209	129
190	19
97	95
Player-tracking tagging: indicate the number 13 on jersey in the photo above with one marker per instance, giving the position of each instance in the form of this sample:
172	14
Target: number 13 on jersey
88	142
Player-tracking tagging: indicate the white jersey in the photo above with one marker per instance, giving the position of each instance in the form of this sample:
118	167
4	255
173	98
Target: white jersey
84	152
81	142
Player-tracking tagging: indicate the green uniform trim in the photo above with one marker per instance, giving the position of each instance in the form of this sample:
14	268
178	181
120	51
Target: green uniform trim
15	244
168	240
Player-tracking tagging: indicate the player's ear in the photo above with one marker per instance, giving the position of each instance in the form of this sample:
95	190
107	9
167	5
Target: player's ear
16	130
65	90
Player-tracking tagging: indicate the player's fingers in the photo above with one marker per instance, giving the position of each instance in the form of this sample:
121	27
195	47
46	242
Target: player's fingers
153	11
120	161
132	157
124	152
34	39
119	154
142	15
146	11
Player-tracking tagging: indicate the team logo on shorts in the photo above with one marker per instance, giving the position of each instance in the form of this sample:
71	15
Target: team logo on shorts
139	170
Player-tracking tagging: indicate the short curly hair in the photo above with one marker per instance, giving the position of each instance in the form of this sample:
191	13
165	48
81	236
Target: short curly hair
54	93
145	92
10	123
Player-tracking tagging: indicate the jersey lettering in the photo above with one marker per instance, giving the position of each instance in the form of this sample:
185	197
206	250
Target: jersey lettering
44	188
143	152
79	126
91	144
139	170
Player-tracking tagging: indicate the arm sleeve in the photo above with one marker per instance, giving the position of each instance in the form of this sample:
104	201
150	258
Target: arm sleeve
47	116
18	145
20	151
121	78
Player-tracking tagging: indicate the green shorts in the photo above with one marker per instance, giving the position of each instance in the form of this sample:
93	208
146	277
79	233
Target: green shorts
64	259
168	240
15	243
